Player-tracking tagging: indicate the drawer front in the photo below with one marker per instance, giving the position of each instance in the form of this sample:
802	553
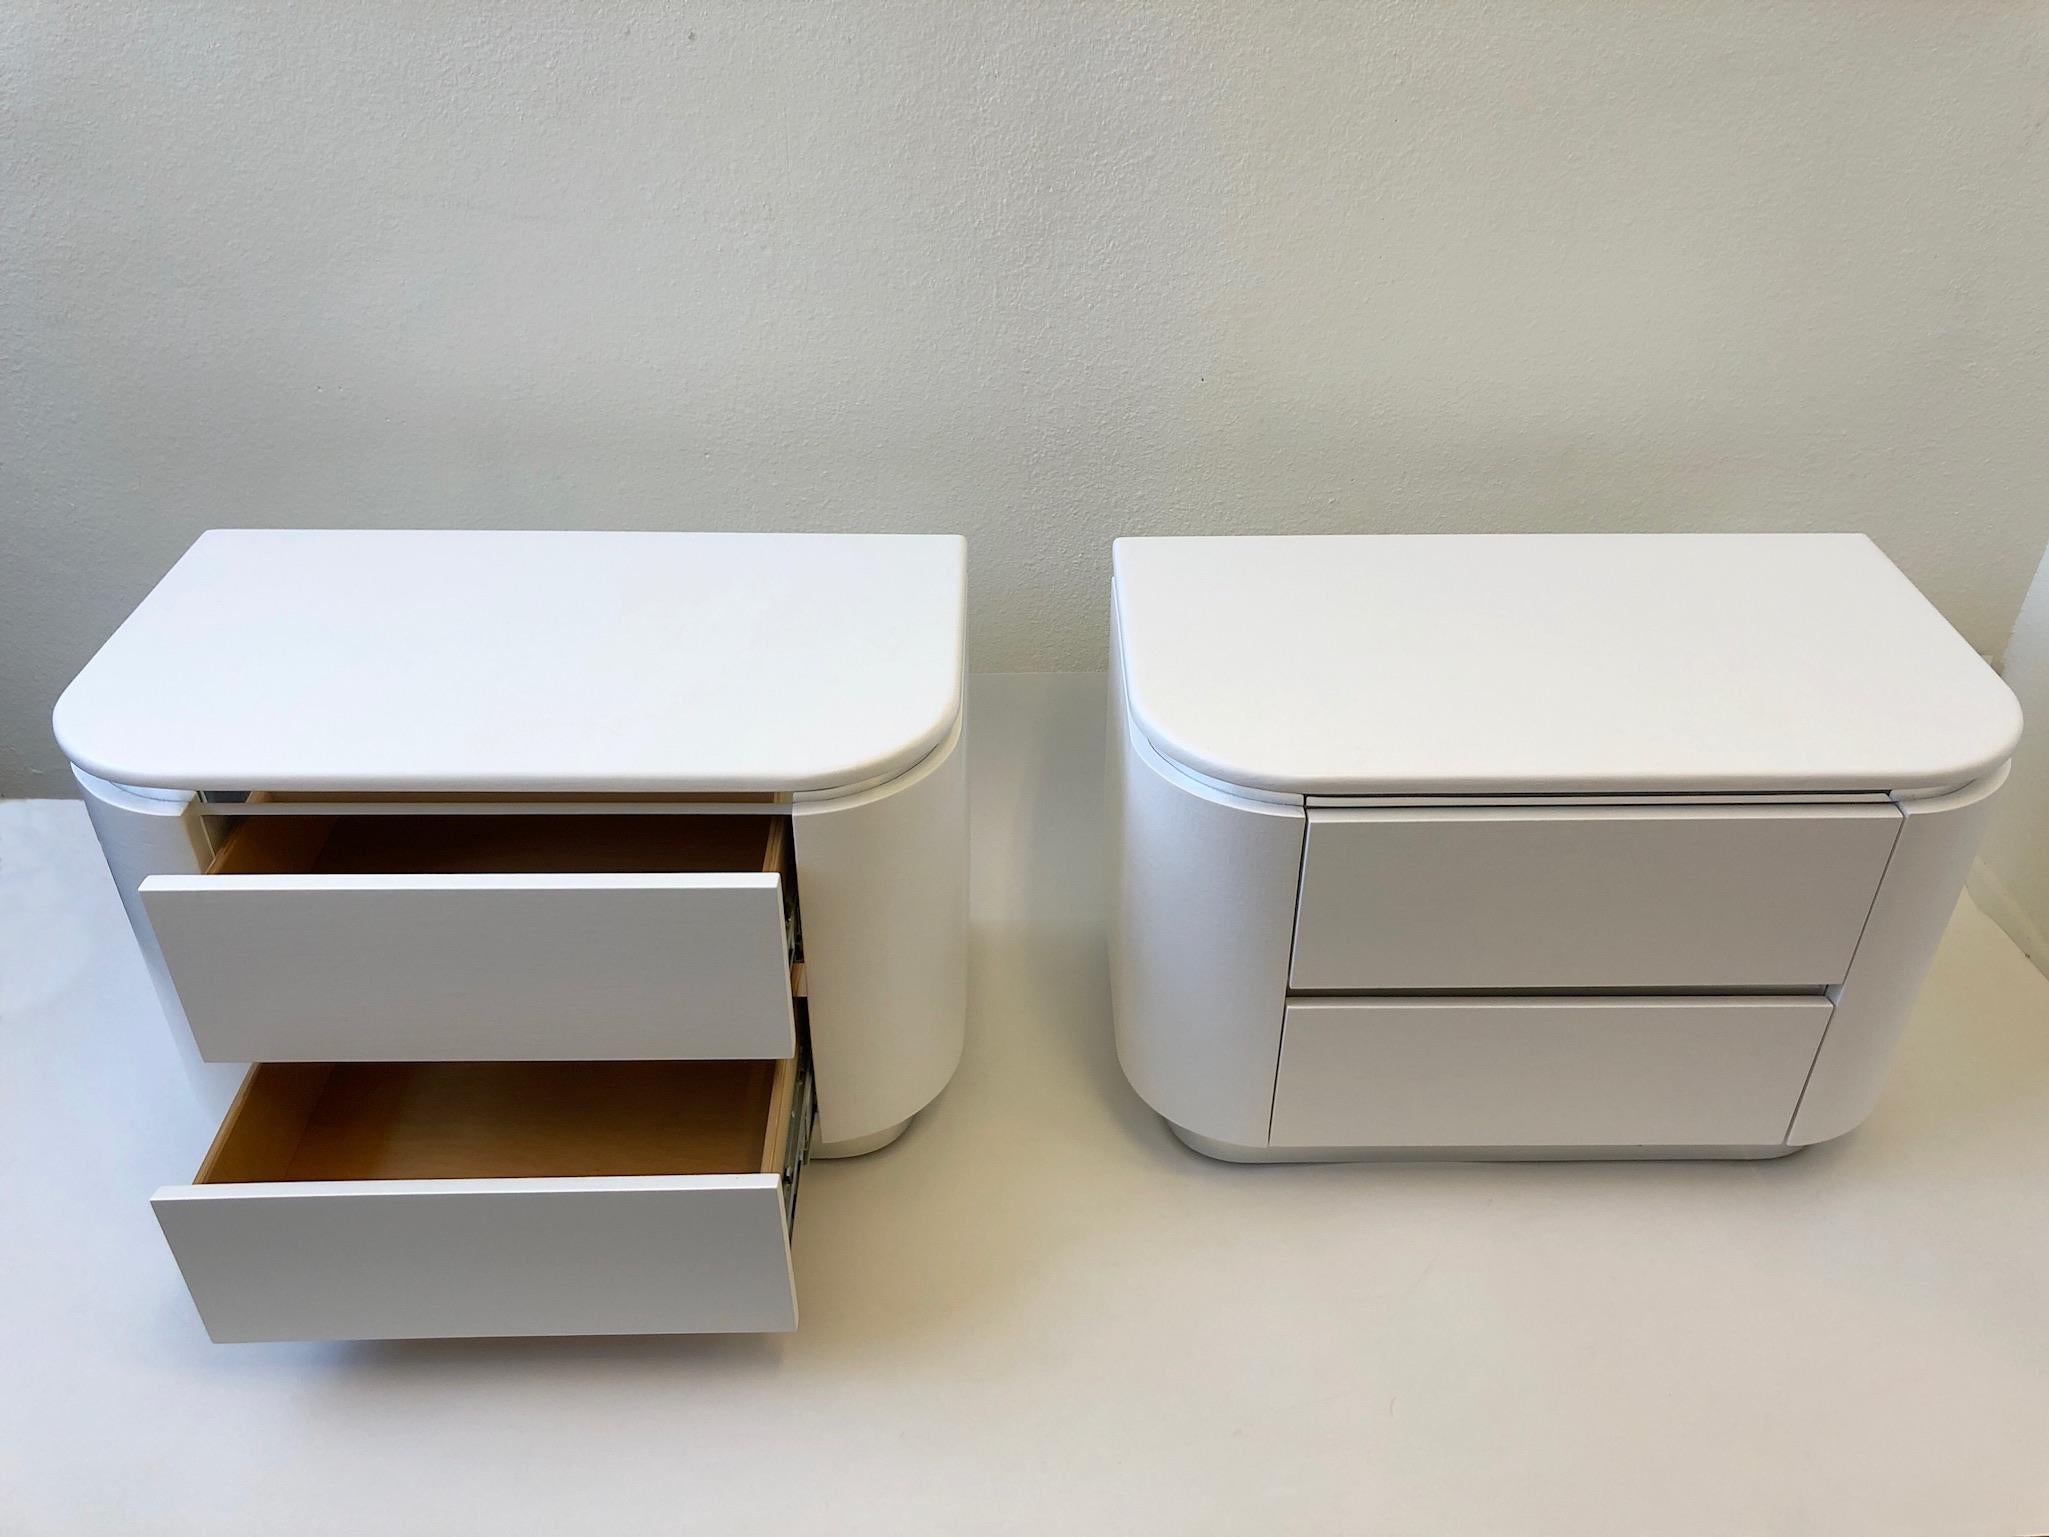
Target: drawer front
394	1201
355	968
1543	1072
1507	899
407	1259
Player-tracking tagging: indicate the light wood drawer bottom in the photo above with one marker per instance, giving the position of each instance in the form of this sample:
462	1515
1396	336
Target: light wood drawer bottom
401	1200
1543	1072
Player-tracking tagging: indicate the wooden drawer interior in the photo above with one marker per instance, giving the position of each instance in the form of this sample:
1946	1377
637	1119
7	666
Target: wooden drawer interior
531	844
307	1122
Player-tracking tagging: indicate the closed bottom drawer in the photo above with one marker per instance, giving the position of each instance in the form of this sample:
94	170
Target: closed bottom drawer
1543	1072
402	1200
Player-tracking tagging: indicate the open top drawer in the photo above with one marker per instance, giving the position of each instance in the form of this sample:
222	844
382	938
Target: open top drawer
398	1200
484	938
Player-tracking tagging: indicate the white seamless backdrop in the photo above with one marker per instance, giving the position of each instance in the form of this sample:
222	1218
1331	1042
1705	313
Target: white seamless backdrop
1040	274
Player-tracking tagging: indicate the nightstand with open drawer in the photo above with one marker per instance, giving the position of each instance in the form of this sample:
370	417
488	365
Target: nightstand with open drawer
550	898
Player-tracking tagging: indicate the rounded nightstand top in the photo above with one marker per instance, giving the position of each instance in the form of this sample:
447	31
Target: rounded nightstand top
1551	663
444	660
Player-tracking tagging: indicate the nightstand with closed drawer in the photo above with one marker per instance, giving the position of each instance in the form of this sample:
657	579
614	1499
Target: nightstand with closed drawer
549	898
1529	845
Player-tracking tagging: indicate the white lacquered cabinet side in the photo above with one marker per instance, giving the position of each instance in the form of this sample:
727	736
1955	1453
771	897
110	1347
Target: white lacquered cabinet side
1938	837
162	832
882	879
1202	916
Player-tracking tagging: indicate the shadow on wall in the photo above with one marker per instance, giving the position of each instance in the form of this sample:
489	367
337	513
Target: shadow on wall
1036	746
2010	878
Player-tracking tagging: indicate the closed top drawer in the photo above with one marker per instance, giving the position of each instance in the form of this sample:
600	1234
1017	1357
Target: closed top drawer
1595	897
479	937
395	1200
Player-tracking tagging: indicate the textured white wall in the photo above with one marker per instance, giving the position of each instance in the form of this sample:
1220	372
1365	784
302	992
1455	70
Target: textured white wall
1037	273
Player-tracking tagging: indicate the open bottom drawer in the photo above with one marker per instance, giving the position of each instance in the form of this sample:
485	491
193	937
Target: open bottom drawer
404	1200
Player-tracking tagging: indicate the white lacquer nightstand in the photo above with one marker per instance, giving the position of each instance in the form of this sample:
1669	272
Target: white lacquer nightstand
1552	846
565	891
